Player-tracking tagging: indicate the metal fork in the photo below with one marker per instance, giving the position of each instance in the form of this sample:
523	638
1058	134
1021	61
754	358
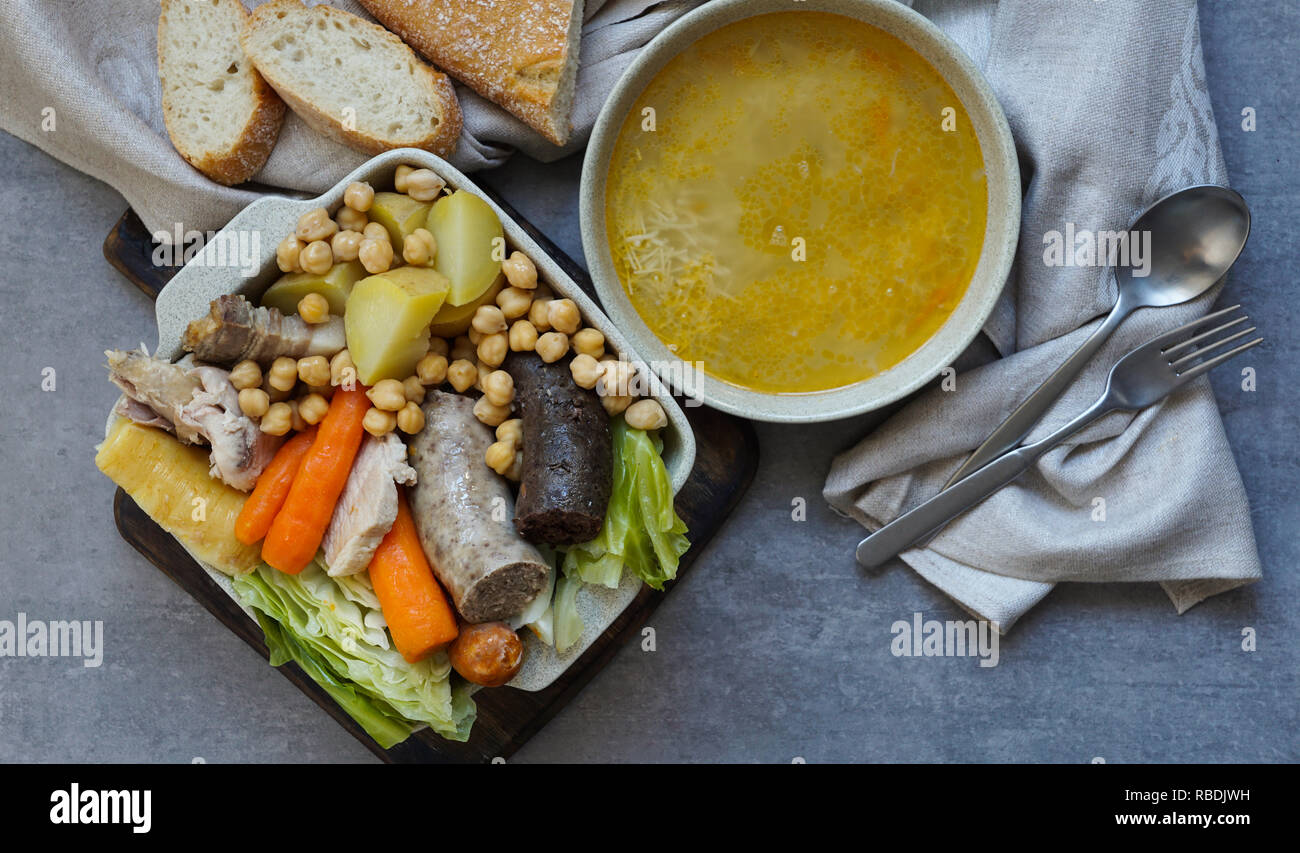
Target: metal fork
1141	378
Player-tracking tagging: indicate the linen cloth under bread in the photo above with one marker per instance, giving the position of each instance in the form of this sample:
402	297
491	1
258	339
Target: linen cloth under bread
1109	109
95	64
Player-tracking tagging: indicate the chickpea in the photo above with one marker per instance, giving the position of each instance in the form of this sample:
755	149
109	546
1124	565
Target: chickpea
439	346
413	389
542	292
273	394
462	348
387	394
500	456
346	245
517	469
246	374
552	346
493	348
488	320
646	414
316	258
483	371
399	177
616	380
254	402
474	335
514	302
375	255
314	370
410	419
462	374
326	391
313	408
342	370
615	404
283	373
378	422
277	420
359	196
315	225
499	388
351	220
432	369
490	413
563	315
420	247
287	254
586	370
424	185
511	430
296	423
523	336
589	342
520	271
539	314
314	308
375	231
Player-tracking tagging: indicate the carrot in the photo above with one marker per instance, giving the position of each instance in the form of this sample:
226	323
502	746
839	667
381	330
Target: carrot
272	488
414	605
299	526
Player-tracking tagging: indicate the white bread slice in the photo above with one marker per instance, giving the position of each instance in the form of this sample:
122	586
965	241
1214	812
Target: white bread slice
519	54
352	80
220	114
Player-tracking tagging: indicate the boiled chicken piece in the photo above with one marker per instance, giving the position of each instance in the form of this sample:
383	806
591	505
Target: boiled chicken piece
368	506
235	330
200	405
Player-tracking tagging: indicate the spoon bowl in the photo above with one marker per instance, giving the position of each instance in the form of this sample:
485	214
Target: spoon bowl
1196	235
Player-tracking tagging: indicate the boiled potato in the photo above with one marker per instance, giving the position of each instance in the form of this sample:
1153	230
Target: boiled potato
468	234
399	214
453	320
387	321
335	286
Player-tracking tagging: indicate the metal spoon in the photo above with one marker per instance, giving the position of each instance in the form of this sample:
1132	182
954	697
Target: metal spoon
1196	235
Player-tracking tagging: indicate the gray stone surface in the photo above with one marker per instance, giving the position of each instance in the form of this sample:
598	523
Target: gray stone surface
775	646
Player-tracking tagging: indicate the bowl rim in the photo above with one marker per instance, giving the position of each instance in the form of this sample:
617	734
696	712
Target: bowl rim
997	252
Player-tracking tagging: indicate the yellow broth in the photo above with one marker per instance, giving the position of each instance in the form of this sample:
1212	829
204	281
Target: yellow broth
797	201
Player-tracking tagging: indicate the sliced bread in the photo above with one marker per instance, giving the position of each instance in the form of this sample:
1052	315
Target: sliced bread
221	115
519	54
352	80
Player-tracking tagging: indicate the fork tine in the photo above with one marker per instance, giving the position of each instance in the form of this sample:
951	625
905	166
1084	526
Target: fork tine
1207	349
1205	366
1174	336
1192	341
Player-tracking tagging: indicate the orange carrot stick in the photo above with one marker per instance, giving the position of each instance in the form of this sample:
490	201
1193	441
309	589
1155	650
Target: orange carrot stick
272	488
299	526
414	605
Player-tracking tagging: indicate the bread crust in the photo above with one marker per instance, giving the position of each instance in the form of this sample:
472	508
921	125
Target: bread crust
441	141
520	54
257	139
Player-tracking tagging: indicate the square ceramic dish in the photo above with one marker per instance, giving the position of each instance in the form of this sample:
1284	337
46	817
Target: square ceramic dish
187	296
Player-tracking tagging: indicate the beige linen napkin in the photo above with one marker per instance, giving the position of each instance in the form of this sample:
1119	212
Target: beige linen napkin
1108	105
79	79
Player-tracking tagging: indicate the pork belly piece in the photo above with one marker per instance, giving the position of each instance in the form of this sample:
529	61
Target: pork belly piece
200	405
368	506
235	330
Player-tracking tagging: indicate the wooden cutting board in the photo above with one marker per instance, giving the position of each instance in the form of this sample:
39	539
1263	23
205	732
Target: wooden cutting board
726	456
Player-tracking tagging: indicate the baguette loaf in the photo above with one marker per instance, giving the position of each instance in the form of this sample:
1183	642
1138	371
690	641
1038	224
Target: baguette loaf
352	80
519	54
221	115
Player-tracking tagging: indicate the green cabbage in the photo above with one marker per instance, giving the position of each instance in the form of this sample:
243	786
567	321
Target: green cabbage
642	530
326	622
